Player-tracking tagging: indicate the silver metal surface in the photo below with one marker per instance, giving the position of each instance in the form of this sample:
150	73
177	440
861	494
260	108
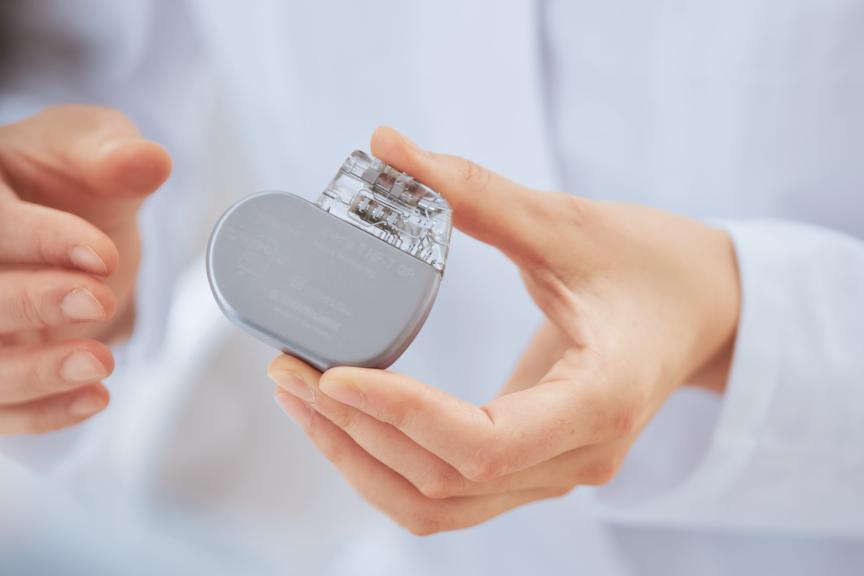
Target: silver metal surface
316	286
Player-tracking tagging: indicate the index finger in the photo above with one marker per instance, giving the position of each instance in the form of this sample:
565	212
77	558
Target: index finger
509	434
98	148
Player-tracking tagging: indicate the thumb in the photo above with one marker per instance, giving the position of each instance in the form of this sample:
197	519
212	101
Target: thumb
66	152
487	206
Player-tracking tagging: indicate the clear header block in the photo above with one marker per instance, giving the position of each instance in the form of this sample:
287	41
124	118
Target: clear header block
391	206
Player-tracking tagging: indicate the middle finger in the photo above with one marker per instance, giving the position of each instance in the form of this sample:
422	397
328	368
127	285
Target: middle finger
37	299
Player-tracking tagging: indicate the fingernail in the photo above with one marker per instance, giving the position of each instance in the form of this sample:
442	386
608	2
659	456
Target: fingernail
82	366
80	304
86	405
298	410
295	385
85	257
343	392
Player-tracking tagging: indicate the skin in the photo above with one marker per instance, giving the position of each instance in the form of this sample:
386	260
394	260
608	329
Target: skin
72	179
638	302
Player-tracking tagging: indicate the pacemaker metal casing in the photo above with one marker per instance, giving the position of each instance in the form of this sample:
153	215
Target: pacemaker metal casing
315	286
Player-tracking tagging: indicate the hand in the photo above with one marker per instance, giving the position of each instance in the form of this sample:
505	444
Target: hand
71	181
638	302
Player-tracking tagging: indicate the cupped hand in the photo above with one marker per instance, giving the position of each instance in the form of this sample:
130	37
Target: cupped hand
72	179
638	302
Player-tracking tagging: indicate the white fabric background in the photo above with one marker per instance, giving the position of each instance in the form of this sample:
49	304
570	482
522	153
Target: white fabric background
733	110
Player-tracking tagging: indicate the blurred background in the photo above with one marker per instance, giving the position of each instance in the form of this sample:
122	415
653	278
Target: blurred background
710	109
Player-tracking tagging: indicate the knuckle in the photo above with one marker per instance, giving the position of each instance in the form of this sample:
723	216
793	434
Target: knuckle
39	377
441	483
335	452
603	471
332	453
485	465
28	310
344	418
400	413
45	249
577	211
423	524
473	174
43	419
25	381
624	420
617	418
629	415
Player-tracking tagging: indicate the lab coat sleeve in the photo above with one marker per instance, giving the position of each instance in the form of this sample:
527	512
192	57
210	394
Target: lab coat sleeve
784	448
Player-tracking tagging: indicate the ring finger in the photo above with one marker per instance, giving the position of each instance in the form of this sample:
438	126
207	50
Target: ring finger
31	372
53	412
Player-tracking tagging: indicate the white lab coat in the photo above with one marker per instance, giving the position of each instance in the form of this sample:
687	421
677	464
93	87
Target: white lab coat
725	111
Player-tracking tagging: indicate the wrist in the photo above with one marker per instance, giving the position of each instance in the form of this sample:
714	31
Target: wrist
720	312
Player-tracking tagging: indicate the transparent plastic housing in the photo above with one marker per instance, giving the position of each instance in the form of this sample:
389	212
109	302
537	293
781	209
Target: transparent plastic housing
392	206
